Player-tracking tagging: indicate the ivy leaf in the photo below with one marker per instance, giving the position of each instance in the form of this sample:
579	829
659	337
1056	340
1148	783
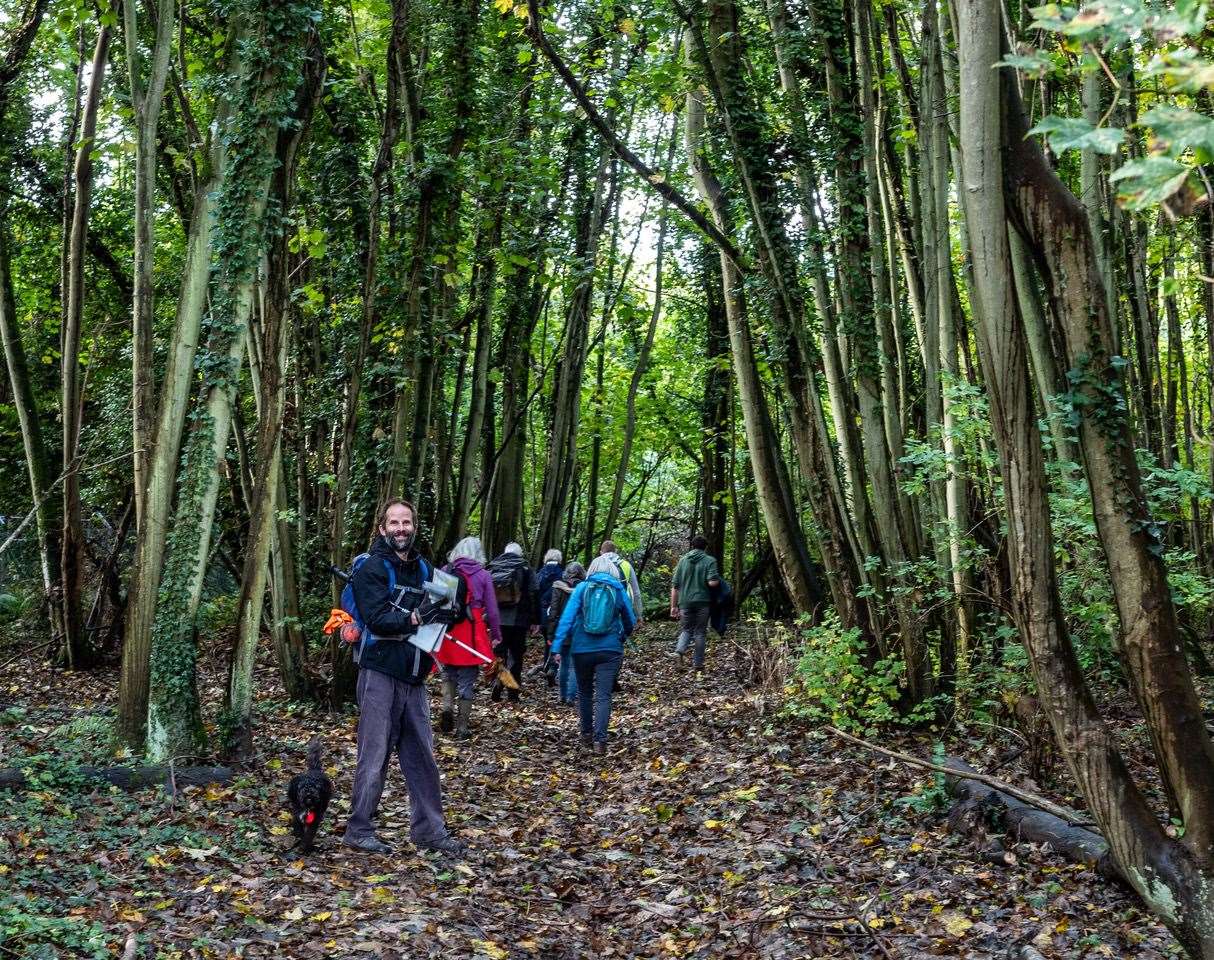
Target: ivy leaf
1073	133
1147	182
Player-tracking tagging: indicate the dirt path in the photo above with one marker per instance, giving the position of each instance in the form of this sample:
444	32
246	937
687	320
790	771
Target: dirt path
706	832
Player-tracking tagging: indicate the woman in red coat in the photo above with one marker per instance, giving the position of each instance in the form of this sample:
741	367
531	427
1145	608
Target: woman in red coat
482	631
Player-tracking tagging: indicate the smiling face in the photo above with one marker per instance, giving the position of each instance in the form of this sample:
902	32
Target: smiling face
399	527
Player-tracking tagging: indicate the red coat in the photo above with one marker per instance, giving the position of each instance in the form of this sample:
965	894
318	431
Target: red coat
474	632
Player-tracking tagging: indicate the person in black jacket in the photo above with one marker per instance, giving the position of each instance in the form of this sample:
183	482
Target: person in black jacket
518	601
394	708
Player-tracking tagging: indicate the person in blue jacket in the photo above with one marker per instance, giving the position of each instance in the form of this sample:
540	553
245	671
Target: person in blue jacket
597	619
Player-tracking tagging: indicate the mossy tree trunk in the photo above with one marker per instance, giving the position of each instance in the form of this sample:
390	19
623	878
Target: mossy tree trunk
272	345
269	45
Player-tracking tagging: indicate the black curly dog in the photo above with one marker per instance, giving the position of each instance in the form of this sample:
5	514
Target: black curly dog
309	794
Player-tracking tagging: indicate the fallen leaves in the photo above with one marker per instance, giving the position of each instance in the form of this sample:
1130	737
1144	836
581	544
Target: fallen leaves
708	833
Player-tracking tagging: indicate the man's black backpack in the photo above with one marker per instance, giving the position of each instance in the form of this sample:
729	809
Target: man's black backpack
508	584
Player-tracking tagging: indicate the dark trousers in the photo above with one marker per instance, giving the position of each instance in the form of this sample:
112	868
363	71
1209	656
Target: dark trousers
596	674
395	717
514	639
694	633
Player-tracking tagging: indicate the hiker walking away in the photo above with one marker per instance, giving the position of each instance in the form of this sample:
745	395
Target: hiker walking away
482	631
545	577
575	573
517	602
695	577
394	710
597	618
628	575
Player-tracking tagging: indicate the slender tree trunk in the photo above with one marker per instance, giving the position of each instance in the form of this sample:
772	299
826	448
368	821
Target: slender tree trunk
75	650
145	103
162	468
771	479
566	404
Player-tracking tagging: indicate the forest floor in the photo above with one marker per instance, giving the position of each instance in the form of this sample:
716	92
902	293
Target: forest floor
710	830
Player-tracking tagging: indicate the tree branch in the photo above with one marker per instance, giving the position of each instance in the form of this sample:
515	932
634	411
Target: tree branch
535	30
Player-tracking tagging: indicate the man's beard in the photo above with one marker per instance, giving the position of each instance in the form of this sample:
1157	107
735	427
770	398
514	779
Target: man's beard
401	542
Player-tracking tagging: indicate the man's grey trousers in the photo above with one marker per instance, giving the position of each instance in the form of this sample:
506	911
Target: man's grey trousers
395	716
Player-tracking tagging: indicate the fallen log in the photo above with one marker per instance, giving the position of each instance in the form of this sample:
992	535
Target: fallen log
962	770
130	778
998	810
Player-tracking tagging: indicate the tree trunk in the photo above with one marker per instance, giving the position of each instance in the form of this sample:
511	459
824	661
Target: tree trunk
1164	872
145	103
566	404
162	467
75	651
771	480
1055	226
260	105
274	346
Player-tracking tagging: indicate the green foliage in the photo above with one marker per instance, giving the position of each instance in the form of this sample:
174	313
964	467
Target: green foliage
833	683
33	927
217	618
932	795
1072	133
1181	137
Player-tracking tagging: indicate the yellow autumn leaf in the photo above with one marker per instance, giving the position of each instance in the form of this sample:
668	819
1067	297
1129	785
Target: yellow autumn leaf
296	914
955	924
381	895
491	949
714	824
130	914
322	916
283	831
503	6
628	26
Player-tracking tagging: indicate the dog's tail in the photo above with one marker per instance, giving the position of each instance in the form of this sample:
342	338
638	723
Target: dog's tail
314	754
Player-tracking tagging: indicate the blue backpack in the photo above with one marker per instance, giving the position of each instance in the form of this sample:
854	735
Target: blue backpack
365	637
599	610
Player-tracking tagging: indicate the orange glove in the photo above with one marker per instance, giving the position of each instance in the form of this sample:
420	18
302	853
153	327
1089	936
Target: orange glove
337	618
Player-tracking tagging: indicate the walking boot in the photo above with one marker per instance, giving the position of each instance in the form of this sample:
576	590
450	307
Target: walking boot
447	715
600	748
461	722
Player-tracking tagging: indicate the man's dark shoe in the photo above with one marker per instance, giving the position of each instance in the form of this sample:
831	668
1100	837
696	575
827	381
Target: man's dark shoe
600	749
496	694
587	743
448	844
369	844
